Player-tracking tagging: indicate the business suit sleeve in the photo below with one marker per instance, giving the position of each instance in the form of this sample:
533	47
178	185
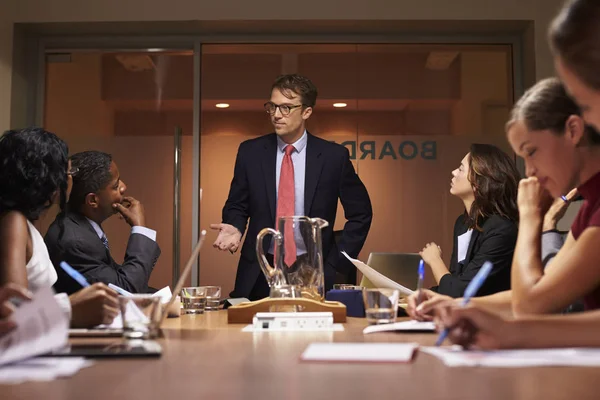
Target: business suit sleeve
496	245
358	212
133	275
236	209
457	227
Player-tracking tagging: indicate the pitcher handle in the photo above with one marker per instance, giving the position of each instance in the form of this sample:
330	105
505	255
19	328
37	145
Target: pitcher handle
319	223
271	273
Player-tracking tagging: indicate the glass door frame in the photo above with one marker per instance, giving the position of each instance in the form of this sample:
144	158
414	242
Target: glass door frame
57	44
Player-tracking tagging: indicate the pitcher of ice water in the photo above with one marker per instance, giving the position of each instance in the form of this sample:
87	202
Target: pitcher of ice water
297	251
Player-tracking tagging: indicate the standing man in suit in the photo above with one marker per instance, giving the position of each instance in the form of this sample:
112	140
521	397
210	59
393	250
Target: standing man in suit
76	235
291	172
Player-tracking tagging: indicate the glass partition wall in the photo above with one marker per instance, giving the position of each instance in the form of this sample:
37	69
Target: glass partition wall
406	112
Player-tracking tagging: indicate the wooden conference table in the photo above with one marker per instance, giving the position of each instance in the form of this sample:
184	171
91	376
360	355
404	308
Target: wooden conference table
205	358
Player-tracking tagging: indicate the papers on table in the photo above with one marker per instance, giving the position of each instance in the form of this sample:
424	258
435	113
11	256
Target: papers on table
334	328
404	326
42	326
457	357
360	352
42	369
377	278
164	294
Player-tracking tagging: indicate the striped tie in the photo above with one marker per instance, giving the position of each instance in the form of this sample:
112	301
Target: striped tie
104	241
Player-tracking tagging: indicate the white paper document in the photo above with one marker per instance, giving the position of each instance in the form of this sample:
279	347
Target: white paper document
334	328
360	352
42	326
164	294
42	369
404	326
377	278
455	356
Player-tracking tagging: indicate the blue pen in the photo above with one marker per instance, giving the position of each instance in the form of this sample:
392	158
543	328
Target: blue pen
74	274
421	272
120	290
470	291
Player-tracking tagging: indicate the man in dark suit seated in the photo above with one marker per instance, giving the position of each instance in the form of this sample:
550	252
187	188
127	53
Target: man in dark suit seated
291	172
76	236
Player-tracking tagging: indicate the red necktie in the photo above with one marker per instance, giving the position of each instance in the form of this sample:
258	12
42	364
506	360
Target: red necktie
285	204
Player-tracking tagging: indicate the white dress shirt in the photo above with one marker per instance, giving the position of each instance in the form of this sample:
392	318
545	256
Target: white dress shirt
142	230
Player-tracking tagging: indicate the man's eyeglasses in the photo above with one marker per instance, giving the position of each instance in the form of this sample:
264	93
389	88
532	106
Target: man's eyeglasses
73	171
271	108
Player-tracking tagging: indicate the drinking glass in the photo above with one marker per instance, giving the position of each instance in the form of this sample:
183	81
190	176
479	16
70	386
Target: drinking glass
141	316
193	299
381	305
213	297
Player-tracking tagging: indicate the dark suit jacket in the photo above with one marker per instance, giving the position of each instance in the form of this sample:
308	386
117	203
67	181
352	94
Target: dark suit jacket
329	176
496	243
80	246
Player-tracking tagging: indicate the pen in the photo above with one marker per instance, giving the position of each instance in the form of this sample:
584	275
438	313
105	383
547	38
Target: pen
74	274
470	291
119	290
420	280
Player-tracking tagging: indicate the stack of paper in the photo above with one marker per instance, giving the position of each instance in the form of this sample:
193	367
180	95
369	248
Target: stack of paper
42	326
164	294
404	326
42	369
457	357
360	352
377	278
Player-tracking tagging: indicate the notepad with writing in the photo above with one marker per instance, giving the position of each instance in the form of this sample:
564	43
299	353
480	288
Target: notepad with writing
404	326
360	352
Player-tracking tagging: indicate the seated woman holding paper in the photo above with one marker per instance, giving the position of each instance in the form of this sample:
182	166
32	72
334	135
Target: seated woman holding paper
33	176
486	182
560	151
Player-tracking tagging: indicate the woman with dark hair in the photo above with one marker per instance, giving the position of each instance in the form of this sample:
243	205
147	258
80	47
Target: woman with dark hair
34	175
486	182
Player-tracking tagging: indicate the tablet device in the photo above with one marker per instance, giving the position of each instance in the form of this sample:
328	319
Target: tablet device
134	348
96	332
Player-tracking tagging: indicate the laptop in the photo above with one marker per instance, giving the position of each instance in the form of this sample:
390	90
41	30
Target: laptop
399	267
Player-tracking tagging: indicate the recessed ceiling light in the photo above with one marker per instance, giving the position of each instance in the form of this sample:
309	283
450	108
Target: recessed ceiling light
222	105
339	105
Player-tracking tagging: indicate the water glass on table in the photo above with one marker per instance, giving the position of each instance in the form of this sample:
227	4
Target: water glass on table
193	299
213	297
381	305
141	315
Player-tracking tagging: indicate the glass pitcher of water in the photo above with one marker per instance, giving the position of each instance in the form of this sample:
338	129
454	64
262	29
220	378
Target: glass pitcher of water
297	255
